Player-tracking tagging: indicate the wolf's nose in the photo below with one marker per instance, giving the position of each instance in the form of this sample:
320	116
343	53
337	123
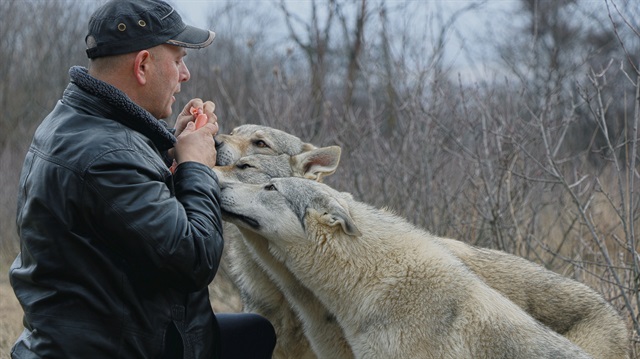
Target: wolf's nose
222	159
224	184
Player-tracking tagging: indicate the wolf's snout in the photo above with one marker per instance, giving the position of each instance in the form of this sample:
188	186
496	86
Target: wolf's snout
222	183
225	156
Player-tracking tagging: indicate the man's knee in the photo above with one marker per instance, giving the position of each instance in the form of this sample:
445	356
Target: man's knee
246	335
264	325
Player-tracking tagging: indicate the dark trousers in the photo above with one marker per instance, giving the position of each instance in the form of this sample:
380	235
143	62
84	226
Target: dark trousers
245	335
242	335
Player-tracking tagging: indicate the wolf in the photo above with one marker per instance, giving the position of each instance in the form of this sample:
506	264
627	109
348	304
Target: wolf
311	331
395	289
566	306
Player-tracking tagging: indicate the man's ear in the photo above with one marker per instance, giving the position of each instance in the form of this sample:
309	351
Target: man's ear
141	66
317	163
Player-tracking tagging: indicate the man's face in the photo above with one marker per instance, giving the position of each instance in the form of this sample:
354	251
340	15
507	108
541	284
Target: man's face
169	71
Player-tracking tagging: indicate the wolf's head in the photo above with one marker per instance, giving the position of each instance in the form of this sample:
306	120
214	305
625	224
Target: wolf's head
287	209
248	140
313	164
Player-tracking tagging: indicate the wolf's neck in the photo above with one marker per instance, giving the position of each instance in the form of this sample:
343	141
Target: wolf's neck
345	272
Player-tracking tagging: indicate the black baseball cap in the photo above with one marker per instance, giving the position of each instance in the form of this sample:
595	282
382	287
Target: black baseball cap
124	26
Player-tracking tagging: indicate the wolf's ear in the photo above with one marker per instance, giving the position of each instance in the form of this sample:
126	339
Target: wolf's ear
317	163
336	214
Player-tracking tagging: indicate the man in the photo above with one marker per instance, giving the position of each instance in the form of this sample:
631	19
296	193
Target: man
116	251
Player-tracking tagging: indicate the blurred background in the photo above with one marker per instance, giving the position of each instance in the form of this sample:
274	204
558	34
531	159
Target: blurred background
505	124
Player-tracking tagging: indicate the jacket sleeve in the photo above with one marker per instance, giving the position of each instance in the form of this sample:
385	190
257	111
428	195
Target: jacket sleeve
173	239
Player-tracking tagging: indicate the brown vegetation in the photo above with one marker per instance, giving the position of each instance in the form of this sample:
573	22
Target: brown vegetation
537	159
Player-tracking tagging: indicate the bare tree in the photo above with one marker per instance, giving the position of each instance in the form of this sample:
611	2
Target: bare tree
354	47
315	48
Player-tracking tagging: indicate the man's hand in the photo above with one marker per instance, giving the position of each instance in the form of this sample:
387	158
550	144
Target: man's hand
196	144
186	115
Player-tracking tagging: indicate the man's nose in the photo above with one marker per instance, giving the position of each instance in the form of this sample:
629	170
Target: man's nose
185	74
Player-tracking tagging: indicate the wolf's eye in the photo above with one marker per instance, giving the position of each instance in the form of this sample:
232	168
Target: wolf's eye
270	187
261	144
243	166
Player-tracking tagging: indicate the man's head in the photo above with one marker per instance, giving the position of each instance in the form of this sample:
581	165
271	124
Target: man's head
125	26
138	46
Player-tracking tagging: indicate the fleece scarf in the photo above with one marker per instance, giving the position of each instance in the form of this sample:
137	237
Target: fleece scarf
135	117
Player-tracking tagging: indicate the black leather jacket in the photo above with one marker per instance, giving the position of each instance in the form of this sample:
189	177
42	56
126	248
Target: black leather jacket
115	250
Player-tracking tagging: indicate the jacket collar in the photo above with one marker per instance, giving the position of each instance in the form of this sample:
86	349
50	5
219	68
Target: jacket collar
131	115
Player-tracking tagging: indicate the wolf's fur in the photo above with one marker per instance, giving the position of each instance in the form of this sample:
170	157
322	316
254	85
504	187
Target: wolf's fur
566	306
396	290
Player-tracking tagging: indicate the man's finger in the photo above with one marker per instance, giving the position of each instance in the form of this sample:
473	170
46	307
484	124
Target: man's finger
209	106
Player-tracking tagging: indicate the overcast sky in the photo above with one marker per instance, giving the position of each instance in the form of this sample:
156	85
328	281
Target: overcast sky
471	47
470	27
196	11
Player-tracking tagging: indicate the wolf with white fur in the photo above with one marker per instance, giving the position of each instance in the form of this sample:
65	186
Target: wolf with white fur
396	290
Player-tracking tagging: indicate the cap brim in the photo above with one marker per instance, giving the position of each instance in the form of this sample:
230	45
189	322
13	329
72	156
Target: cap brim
193	38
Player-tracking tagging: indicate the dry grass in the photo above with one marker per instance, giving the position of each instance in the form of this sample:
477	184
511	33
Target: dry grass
10	313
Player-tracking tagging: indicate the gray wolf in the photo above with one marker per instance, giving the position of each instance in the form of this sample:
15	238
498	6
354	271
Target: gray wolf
395	289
